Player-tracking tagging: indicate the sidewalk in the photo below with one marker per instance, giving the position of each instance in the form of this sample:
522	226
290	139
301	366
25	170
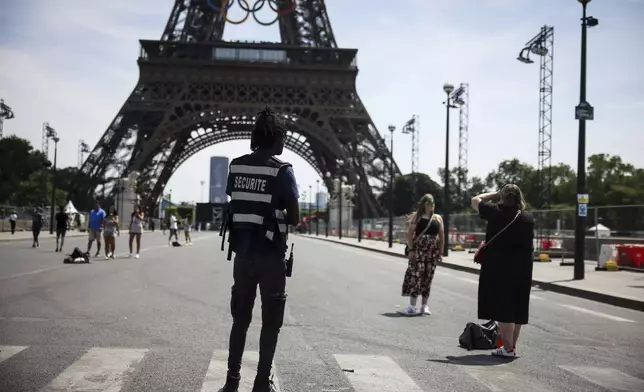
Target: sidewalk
622	288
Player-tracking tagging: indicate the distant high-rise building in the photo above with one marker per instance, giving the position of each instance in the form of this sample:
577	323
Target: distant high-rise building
218	178
321	198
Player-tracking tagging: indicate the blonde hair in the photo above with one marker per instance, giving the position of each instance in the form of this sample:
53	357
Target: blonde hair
426	202
511	195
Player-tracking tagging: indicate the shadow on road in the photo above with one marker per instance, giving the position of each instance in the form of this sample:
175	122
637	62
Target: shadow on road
474	360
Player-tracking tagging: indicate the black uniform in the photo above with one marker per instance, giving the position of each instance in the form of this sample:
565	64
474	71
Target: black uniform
258	237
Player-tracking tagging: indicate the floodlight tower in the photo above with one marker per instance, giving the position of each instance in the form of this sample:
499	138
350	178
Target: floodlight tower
47	133
83	149
462	100
543	45
5	114
413	127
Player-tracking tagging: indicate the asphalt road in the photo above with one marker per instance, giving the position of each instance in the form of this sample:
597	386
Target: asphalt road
161	323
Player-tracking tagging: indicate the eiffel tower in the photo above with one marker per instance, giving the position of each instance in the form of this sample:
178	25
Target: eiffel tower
196	90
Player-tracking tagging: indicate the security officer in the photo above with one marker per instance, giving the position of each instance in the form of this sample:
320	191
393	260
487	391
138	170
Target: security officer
261	188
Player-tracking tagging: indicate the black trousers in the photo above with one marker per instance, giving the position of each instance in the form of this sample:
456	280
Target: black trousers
267	270
13	226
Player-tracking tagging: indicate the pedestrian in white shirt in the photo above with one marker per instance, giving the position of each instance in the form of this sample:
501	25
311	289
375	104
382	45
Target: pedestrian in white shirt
174	227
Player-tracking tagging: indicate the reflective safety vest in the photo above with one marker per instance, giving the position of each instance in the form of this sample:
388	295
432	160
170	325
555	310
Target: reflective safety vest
253	185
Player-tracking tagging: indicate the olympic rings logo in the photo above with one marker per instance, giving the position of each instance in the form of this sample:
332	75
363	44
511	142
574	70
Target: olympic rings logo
275	5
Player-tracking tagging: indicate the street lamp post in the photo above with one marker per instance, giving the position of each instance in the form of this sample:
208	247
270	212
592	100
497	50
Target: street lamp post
310	208
202	184
391	189
358	206
317	208
56	139
328	215
584	111
448	88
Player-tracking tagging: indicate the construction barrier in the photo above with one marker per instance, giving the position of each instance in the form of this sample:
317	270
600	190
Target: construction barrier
608	257
631	256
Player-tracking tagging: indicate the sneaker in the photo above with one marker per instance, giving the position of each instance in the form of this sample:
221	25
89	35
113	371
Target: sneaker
409	311
129	256
107	257
97	254
425	310
56	250
112	256
136	256
502	352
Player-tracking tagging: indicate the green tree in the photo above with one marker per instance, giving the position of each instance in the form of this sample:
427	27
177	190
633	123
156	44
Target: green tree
36	191
18	161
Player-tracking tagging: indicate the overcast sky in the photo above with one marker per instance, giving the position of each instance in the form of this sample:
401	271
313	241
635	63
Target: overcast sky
73	63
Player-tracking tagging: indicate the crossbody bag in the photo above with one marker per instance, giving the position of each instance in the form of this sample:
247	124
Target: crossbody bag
480	251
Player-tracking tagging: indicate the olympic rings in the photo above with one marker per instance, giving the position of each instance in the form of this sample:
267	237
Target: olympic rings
275	5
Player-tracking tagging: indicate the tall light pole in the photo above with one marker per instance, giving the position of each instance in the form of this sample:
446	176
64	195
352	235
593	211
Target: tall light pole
584	111
448	88
317	207
5	114
202	182
391	188
83	149
56	139
310	208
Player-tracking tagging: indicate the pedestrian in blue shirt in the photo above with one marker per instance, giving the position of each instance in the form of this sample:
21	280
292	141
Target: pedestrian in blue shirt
264	200
95	227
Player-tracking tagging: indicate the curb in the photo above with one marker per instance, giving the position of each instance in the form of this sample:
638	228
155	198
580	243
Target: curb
547	286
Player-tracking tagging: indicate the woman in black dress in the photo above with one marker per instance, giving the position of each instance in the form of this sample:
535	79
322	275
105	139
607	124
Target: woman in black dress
506	268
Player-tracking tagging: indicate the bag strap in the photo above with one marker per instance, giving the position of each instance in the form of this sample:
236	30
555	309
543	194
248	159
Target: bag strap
502	230
424	230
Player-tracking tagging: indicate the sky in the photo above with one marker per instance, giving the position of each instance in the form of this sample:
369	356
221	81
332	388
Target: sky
72	63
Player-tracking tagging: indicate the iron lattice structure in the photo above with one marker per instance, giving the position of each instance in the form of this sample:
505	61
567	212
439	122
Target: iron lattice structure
463	134
196	90
543	45
413	127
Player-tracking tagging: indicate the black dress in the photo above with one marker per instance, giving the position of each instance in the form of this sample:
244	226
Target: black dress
506	270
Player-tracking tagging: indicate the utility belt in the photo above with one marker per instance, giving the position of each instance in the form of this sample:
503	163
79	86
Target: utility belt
271	234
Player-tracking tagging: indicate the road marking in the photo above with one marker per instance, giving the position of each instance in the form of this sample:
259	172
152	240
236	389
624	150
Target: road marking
368	373
598	314
497	379
7	352
467	280
216	374
611	379
100	370
532	296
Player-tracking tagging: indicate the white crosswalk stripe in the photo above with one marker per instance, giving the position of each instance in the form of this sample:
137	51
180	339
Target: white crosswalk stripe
611	379
112	369
101	369
368	373
216	375
7	352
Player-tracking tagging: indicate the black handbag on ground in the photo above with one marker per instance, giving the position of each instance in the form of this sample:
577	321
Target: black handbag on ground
479	337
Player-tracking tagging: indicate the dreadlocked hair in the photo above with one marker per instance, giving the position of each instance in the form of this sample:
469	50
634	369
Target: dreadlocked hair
269	129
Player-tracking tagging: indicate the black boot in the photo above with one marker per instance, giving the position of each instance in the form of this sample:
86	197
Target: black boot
232	385
264	385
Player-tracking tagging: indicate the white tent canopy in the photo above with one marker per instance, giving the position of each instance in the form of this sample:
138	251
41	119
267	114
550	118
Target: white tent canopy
601	230
70	209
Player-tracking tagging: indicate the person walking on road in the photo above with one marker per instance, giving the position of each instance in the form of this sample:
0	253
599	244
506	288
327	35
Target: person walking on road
261	187
136	229
111	230
425	242
187	227
13	218
37	222
95	227
62	225
174	227
506	268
